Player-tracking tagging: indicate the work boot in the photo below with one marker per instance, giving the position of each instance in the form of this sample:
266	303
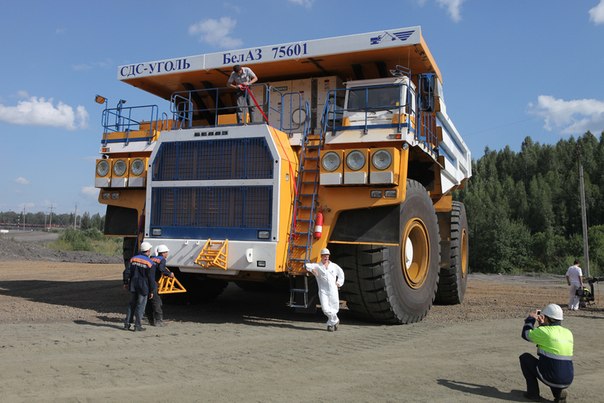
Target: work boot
159	323
139	329
562	397
127	326
329	328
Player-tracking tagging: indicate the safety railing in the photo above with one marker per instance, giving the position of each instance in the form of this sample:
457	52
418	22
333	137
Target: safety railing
213	107
364	107
128	120
366	113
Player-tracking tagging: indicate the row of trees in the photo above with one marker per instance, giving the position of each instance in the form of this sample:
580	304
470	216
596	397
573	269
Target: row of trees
524	209
11	219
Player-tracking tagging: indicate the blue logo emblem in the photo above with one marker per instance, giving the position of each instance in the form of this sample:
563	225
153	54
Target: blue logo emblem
387	36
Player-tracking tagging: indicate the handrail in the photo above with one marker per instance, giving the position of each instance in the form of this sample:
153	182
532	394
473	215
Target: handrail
333	114
127	119
203	106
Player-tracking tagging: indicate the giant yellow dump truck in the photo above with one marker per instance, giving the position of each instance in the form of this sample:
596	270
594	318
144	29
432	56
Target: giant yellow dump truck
350	147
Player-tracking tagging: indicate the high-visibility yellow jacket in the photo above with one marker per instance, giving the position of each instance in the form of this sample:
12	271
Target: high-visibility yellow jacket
555	350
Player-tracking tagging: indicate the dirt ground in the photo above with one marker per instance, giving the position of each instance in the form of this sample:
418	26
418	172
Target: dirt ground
61	341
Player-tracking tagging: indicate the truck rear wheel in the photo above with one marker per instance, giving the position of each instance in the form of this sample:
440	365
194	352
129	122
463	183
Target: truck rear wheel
395	284
454	279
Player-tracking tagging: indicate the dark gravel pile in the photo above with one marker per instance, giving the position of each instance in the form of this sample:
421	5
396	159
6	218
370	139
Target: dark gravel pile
13	249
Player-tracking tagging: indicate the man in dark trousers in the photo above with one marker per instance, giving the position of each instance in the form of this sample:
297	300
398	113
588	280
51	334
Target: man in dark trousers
139	279
554	367
240	79
154	310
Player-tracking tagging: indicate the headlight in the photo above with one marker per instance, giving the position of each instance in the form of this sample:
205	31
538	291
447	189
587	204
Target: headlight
119	167
381	159
355	160
137	167
330	161
102	168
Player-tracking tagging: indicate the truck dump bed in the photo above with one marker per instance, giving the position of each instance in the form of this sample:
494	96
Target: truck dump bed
352	57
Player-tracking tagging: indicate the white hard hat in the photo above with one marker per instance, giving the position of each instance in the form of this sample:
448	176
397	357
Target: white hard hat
162	248
325	251
145	246
553	311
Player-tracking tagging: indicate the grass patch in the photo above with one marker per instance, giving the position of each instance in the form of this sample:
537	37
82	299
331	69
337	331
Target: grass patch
90	240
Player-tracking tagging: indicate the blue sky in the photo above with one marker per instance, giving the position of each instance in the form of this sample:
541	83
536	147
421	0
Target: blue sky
511	69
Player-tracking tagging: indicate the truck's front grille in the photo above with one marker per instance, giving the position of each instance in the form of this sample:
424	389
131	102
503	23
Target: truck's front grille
248	158
215	211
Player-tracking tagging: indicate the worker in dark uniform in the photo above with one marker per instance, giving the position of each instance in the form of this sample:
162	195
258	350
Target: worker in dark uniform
554	367
154	310
139	279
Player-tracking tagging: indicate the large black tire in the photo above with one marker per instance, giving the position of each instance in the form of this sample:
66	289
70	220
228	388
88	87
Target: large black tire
395	284
454	279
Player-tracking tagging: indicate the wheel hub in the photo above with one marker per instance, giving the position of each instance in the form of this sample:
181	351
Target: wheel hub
416	253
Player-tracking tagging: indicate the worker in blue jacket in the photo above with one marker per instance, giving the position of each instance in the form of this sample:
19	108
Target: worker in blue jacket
154	309
554	367
139	279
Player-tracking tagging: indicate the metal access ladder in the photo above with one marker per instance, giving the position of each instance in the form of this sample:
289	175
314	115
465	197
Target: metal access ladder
214	254
303	219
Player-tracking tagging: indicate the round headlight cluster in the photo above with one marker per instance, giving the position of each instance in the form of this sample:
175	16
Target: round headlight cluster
381	159
331	161
119	167
137	167
355	160
102	168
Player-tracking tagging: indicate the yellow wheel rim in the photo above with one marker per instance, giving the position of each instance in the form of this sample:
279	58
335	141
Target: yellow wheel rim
415	253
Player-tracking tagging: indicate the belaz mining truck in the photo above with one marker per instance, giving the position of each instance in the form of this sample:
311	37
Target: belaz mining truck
350	148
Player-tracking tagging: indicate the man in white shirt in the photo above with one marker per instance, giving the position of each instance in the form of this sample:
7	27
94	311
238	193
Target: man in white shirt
574	278
330	277
241	78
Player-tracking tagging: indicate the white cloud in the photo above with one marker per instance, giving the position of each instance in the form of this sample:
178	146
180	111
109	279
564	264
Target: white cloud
41	112
596	14
569	117
304	3
216	32
90	192
22	181
453	7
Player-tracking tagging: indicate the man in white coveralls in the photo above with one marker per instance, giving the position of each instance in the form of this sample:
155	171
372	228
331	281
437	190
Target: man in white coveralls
330	277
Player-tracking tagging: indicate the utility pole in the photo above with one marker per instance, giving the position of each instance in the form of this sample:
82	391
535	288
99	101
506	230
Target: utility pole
584	220
50	218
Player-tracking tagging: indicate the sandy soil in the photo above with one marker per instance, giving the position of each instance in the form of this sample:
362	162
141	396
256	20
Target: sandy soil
61	341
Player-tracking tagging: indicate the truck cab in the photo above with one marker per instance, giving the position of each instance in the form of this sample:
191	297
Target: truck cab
377	102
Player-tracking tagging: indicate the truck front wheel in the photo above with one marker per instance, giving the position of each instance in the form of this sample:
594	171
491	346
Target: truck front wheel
395	284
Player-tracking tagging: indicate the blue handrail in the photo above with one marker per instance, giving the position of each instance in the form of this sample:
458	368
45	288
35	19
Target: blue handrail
127	119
